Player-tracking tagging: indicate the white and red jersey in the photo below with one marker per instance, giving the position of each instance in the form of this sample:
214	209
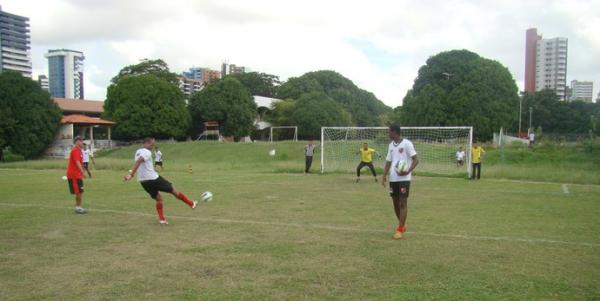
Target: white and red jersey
398	152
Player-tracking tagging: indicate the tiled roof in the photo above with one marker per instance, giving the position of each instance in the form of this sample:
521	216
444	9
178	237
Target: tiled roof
82	119
79	105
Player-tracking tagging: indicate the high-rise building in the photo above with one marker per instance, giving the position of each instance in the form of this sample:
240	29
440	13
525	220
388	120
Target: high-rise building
202	74
227	69
65	72
43	81
545	63
189	86
15	43
582	91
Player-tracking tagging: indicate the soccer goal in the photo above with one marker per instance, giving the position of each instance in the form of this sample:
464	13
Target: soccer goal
280	133
436	147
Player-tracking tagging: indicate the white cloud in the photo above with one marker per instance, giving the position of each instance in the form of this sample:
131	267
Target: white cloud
289	38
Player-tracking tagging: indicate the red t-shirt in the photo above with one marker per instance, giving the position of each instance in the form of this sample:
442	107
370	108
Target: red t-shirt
72	171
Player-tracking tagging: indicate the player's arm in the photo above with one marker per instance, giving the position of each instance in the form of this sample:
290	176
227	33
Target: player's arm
134	169
80	167
386	172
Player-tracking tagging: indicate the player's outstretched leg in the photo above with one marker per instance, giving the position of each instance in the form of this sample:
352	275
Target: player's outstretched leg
401	211
159	210
372	168
182	197
358	168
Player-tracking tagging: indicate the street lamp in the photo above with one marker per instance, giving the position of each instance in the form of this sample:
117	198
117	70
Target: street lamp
530	112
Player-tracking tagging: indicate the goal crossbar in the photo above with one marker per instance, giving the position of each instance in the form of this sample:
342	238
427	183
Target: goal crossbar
295	138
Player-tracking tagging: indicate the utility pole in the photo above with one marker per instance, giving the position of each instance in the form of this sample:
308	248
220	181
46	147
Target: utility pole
530	112
520	114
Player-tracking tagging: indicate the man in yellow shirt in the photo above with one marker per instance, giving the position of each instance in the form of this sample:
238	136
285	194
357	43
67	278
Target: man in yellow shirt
477	153
366	159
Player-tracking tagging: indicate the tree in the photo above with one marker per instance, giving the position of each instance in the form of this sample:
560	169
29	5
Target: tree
146	105
281	112
28	116
364	107
156	67
228	102
261	84
458	88
314	110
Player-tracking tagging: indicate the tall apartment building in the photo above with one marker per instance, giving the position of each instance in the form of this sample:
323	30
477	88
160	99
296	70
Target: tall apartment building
581	90
189	86
227	69
43	81
15	43
545	63
65	72
202	74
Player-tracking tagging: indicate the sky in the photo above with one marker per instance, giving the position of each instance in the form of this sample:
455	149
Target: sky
378	44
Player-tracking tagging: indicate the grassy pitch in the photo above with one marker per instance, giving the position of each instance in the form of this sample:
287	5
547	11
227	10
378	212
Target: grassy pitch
285	236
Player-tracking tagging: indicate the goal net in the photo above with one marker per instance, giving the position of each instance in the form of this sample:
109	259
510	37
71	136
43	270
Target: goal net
436	147
281	133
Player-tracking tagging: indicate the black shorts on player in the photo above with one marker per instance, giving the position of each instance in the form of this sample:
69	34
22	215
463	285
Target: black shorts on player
75	186
400	189
152	187
86	165
158	163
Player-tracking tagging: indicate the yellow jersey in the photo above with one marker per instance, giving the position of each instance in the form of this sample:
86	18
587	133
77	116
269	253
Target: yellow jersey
476	154
366	155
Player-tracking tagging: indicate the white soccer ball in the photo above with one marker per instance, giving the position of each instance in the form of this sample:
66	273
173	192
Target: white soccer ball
206	196
64	178
401	166
272	152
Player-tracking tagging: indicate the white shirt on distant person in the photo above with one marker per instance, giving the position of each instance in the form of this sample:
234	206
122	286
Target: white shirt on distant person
158	156
87	153
460	155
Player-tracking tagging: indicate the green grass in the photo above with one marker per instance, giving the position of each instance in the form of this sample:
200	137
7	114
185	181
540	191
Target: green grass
277	236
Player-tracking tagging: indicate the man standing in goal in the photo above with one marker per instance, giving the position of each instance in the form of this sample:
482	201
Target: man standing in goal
309	151
401	160
152	182
366	159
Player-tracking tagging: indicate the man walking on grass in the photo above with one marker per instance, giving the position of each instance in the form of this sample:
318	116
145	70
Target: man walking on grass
309	151
75	174
401	160
152	182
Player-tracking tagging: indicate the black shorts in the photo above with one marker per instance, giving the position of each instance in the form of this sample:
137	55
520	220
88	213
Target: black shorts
75	186
152	187
86	164
400	189
159	163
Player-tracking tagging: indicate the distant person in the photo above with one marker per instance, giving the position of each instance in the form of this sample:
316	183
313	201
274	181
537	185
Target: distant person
158	161
75	174
401	160
476	157
531	139
152	182
87	155
366	159
460	157
309	151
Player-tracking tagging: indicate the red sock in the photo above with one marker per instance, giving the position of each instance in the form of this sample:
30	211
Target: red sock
185	199
401	229
159	210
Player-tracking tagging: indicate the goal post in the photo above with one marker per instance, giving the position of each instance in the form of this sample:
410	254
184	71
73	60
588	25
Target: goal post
275	136
436	147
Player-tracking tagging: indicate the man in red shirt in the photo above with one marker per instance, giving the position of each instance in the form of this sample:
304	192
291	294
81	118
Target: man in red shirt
75	174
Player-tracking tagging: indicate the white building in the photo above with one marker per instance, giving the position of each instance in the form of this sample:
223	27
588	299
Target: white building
65	71
581	90
43	81
551	65
189	86
15	43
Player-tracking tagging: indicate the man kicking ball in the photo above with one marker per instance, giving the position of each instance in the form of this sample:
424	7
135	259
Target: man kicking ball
401	160
152	182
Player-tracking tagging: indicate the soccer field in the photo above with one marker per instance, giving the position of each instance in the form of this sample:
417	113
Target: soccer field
271	236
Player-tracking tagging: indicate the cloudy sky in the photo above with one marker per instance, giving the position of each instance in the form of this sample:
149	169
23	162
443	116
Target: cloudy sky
378	44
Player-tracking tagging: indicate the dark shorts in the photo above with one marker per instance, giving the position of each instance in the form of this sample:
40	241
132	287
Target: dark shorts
75	186
159	163
152	187
400	189
460	161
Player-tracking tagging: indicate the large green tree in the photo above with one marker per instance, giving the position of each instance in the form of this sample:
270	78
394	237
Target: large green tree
146	105
315	110
364	107
228	102
460	88
28	116
156	67
258	83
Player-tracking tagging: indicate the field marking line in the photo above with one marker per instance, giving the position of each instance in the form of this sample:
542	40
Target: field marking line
565	189
321	226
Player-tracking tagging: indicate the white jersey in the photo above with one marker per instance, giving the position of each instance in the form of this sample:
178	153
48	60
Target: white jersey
158	156
146	170
460	155
86	155
398	152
